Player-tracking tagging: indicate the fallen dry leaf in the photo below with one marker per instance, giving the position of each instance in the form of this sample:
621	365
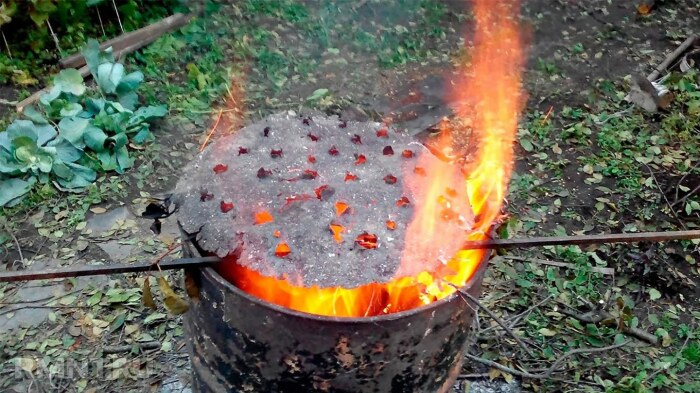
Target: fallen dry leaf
174	303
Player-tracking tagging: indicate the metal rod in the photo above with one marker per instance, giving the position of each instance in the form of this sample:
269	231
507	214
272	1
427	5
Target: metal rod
200	262
182	263
583	240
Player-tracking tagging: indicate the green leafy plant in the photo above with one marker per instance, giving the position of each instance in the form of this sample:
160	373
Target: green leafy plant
75	130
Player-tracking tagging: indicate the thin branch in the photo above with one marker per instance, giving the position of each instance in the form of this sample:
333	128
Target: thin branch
675	357
495	318
9	52
119	19
55	37
598	316
14	239
678	186
673	211
548	372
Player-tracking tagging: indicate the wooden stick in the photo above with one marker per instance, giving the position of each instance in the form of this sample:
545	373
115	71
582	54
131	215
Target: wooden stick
134	40
690	41
582	240
181	263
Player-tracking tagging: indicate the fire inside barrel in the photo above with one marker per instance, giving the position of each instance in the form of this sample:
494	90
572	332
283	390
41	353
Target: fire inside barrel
357	219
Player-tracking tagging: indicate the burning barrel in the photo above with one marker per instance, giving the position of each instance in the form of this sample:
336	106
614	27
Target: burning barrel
341	246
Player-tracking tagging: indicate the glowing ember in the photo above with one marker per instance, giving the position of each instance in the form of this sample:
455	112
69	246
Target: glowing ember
341	208
336	230
407	154
226	206
383	133
419	170
333	151
367	240
391	225
282	250
390	179
311	159
350	177
277	233
361	159
220	168
403	201
263	217
323	192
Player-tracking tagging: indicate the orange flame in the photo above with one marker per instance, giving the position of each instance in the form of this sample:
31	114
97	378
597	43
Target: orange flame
486	94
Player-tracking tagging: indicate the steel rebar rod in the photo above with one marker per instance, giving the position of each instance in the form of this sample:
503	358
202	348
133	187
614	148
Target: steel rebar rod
606	238
184	263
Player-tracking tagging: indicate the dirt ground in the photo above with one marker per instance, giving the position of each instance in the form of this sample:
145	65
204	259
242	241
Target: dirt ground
95	335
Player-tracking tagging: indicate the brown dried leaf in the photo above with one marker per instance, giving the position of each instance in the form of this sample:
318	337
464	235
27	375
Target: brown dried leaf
174	303
191	286
148	295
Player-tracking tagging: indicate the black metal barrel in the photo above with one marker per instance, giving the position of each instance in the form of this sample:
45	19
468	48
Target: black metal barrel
240	343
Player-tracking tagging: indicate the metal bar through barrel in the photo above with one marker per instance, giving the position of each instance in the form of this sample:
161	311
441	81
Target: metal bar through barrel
583	240
183	263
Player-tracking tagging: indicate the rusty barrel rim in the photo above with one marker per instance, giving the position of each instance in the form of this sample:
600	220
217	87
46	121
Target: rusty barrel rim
475	279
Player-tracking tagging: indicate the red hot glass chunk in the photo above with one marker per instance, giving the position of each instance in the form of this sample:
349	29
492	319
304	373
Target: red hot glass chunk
367	240
383	133
311	159
390	179
333	151
407	154
313	137
220	168
360	159
403	202
226	206
388	151
242	150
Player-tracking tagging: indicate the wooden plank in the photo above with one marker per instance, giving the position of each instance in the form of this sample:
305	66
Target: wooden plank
133	40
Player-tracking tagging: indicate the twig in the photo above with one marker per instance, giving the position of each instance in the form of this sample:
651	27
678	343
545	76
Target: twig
119	19
127	348
673	211
99	17
216	124
595	269
55	38
598	316
517	318
678	186
688	195
9	52
14	239
548	372
675	357
495	317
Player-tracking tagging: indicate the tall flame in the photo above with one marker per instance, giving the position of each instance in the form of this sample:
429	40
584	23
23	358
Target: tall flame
486	94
